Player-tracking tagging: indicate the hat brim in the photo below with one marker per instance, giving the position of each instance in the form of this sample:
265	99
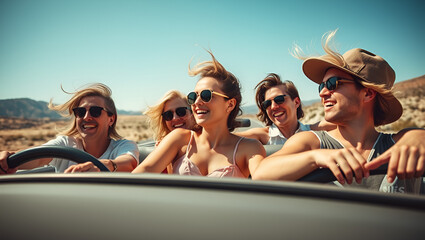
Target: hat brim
315	69
393	110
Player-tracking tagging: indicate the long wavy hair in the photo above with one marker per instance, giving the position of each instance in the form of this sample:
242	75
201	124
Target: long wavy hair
156	121
96	89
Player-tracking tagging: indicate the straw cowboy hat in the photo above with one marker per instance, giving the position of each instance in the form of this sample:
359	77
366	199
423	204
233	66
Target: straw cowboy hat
365	66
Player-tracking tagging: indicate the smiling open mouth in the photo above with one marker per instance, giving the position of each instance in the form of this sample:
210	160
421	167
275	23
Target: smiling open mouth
89	126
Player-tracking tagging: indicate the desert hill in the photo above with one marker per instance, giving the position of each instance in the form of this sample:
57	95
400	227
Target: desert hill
26	108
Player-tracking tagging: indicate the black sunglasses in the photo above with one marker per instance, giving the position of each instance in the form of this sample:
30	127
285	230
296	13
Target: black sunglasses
94	111
278	100
205	95
180	111
332	83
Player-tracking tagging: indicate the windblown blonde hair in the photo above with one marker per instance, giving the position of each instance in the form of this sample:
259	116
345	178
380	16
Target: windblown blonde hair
229	84
332	55
96	89
156	121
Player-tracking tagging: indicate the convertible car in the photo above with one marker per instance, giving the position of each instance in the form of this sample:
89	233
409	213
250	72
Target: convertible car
159	206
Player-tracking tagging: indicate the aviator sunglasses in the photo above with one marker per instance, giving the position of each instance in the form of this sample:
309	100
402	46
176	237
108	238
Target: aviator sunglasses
278	100
332	83
180	111
95	111
205	95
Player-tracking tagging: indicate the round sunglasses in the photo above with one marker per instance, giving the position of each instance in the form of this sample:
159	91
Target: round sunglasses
95	111
205	95
278	100
180	111
332	83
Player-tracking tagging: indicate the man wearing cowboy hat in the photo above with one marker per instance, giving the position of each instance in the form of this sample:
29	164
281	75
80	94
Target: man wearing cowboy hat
355	90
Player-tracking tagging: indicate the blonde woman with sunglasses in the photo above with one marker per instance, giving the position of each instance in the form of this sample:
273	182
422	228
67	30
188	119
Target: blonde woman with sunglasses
93	118
212	150
170	113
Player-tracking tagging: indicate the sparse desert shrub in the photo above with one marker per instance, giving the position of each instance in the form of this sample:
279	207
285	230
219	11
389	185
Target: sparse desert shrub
37	137
13	137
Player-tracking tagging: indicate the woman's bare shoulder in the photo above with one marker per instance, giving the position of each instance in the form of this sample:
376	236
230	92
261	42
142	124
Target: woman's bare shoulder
176	136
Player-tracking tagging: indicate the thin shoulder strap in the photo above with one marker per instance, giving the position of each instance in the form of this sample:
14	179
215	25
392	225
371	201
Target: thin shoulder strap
236	148
189	144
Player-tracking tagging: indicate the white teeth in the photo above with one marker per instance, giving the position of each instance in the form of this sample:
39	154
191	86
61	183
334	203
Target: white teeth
201	112
278	114
89	126
328	104
178	125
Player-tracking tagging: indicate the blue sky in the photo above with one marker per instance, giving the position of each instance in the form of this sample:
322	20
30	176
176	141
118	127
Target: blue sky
141	49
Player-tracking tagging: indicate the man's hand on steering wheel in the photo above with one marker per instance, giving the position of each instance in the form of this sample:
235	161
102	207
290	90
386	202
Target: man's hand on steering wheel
9	161
82	167
4	168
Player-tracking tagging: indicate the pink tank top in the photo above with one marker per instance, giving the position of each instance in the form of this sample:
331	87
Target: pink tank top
183	166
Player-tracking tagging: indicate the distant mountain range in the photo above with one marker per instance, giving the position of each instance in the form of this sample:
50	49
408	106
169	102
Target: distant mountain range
31	109
26	108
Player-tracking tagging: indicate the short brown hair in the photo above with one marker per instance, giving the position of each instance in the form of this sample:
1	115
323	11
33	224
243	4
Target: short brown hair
273	80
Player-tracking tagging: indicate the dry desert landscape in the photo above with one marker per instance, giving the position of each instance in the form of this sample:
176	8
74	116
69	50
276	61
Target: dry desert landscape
17	134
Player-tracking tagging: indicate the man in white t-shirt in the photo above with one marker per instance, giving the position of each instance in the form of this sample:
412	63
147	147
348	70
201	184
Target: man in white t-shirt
92	129
280	110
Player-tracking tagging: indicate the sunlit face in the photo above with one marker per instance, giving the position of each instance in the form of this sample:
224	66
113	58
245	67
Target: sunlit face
214	110
343	103
282	114
94	128
187	121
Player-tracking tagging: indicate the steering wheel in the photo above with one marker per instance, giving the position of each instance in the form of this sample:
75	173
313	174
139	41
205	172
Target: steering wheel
69	153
